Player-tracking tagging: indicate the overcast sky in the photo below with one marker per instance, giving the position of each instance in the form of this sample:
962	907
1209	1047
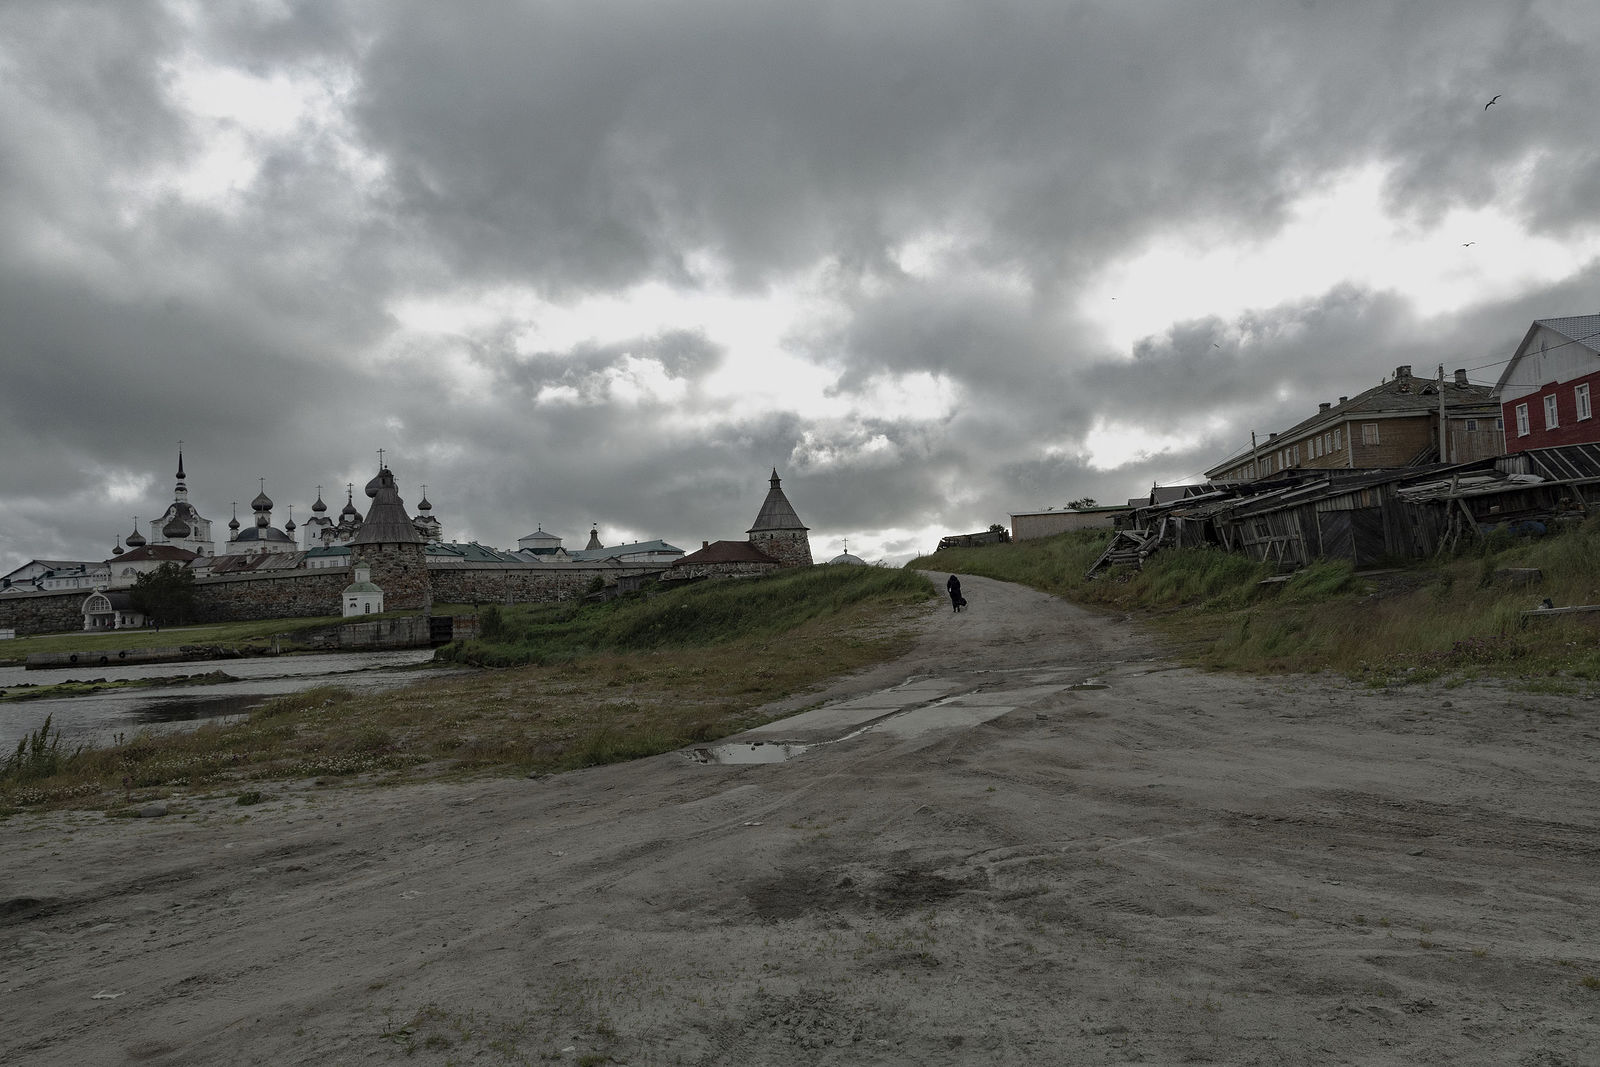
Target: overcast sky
611	262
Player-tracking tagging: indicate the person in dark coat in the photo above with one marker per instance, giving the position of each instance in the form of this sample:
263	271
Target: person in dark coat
957	601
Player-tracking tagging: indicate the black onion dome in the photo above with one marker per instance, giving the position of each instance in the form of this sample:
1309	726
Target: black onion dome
319	507
117	550
262	502
176	530
233	523
288	527
135	540
372	486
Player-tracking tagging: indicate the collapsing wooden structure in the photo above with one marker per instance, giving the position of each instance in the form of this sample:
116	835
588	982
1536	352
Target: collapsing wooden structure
1370	517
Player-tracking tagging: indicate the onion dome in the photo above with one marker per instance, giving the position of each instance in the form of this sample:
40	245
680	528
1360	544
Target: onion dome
175	530
233	524
319	507
349	510
135	540
262	502
594	541
288	527
372	486
423	504
263	519
117	551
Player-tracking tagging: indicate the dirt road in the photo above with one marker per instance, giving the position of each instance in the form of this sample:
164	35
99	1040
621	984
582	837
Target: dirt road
1052	846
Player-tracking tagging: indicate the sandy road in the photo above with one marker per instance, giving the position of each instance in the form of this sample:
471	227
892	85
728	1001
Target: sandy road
1013	865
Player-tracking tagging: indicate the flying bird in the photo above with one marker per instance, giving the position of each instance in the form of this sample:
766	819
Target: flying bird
1468	244
1496	97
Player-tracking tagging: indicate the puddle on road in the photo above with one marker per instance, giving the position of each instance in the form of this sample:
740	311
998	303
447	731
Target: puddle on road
941	714
760	752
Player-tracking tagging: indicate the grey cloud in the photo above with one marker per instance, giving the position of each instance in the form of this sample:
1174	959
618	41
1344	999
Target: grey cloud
575	149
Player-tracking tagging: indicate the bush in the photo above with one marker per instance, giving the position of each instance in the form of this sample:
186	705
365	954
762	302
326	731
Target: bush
38	755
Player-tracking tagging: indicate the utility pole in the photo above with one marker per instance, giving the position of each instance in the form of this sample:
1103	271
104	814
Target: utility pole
1443	437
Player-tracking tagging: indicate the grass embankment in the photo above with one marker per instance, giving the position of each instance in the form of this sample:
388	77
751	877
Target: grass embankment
28	691
605	682
1414	622
232	634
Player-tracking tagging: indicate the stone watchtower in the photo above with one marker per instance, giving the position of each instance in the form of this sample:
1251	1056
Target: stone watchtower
778	531
388	543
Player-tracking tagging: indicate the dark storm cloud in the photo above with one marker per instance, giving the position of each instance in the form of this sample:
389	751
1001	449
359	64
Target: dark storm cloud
566	150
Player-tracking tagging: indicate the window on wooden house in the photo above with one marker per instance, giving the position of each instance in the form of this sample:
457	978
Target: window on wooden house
1522	420
1472	425
1580	396
1550	421
1369	433
1337	443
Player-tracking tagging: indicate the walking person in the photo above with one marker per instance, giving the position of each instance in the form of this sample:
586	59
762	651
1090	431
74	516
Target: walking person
957	601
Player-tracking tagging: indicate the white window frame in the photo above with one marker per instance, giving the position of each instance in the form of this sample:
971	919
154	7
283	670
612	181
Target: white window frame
1580	396
1551	419
1337	446
1369	434
1472	425
1523	428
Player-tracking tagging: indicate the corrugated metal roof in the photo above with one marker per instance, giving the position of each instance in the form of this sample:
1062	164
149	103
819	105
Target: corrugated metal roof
1562	463
1581	330
638	548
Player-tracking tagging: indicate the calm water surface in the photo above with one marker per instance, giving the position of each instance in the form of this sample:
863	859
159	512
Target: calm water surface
100	717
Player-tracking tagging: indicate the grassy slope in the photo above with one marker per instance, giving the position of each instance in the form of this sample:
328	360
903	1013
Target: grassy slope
1447	617
258	631
615	681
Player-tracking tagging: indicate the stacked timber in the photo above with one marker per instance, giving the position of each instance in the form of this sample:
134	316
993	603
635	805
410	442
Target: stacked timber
1128	548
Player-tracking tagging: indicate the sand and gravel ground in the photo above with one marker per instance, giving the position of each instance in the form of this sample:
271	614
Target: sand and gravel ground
1052	846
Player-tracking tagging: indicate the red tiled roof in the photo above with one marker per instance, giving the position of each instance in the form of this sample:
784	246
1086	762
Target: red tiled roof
726	552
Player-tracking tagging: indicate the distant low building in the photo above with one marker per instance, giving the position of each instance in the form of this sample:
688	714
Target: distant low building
361	597
127	567
723	559
1394	424
540	545
55	575
111	610
637	552
1026	525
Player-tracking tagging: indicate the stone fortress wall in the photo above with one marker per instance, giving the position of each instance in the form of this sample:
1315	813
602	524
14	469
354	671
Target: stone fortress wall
313	593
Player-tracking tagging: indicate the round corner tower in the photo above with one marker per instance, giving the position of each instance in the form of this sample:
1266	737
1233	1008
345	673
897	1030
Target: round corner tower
778	531
389	544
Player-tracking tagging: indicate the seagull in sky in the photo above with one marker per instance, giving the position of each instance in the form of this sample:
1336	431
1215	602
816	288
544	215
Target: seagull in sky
1491	103
1468	244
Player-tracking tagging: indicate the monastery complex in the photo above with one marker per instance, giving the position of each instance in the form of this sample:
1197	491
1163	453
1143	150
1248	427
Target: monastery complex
387	559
